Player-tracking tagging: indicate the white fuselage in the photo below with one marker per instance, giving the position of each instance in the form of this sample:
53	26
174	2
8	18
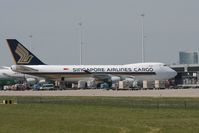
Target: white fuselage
139	71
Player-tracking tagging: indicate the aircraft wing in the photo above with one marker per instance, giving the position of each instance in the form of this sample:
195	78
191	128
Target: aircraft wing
6	75
29	70
97	76
4	67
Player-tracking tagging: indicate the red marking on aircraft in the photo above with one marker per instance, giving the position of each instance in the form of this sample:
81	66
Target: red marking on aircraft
66	68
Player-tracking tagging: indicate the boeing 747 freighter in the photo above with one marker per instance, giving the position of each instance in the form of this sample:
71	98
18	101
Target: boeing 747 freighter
28	63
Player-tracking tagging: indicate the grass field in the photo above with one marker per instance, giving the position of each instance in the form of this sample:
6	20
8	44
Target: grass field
99	115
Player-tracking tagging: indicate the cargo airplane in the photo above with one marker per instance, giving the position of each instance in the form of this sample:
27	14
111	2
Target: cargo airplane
6	73
27	63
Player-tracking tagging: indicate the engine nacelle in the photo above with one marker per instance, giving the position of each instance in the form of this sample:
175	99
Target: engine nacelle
42	81
115	78
31	80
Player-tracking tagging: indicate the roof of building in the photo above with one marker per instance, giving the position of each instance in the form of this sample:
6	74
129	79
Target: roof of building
185	67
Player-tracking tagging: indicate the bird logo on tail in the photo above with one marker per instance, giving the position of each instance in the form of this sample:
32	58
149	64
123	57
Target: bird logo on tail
24	55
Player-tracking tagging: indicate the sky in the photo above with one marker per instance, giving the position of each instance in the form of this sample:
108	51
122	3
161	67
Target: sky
111	30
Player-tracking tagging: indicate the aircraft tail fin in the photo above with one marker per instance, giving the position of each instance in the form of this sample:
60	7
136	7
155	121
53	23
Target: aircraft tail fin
21	55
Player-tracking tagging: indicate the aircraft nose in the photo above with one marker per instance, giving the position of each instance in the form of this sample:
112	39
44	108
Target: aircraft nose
172	73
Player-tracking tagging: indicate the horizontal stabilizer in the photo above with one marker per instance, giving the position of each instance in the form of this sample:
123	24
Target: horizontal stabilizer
23	69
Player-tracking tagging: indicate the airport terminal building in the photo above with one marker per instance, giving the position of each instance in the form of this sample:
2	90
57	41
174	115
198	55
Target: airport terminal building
188	69
187	73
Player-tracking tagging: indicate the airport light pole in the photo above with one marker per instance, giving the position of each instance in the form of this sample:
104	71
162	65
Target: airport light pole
81	42
198	55
143	54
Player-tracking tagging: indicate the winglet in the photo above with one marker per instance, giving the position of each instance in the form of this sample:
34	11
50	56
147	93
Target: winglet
21	55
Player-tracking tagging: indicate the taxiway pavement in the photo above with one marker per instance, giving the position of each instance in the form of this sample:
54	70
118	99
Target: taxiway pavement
109	93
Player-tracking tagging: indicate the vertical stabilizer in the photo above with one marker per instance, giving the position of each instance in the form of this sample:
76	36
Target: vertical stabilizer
21	55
